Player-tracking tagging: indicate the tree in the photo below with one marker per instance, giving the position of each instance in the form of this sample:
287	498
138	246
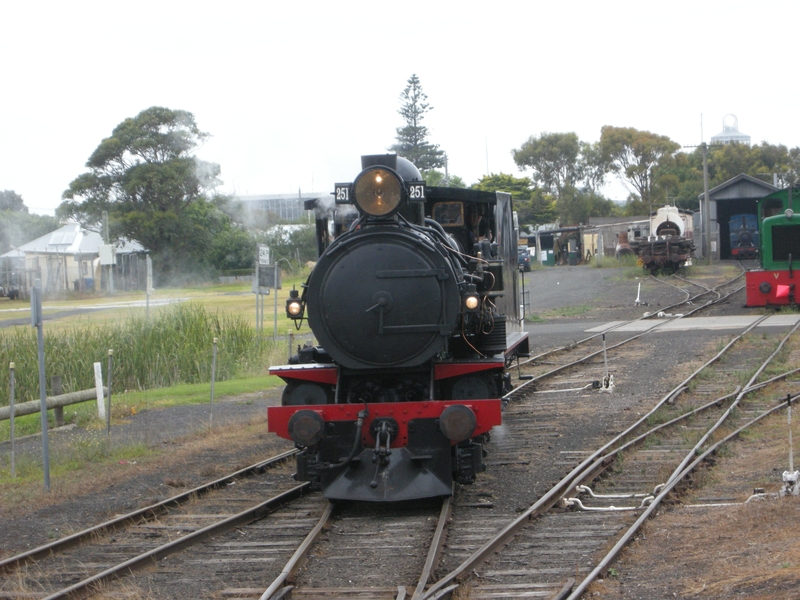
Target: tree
594	166
767	162
10	200
146	177
291	242
554	159
533	205
19	227
435	177
640	157
412	139
520	188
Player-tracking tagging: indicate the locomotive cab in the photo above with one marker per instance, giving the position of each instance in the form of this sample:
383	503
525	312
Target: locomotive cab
413	307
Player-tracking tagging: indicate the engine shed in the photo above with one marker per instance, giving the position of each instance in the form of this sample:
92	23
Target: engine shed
729	205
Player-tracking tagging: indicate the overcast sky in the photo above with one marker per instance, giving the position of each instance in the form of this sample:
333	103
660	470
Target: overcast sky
293	93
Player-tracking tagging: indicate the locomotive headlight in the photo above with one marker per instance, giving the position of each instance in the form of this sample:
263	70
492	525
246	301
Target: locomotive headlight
458	422
378	192
789	213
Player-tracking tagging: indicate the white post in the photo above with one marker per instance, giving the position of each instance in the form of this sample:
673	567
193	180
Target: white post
98	386
791	451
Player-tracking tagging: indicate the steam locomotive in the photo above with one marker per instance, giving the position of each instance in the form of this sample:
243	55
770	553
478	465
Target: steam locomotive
743	230
413	302
774	284
669	245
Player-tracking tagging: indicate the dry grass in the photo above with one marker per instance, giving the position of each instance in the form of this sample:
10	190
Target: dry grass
248	441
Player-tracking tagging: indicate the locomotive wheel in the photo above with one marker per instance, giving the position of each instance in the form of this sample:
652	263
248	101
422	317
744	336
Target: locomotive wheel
477	386
302	393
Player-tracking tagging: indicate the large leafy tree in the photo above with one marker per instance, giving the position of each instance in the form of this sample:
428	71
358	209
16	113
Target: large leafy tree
146	176
533	205
520	188
554	158
412	138
640	158
434	177
10	200
17	225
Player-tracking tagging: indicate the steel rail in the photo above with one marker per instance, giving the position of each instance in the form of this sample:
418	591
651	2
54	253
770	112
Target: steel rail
277	589
83	589
572	345
672	285
142	514
684	466
628	536
435	549
735	402
572	479
558	369
714	290
588	472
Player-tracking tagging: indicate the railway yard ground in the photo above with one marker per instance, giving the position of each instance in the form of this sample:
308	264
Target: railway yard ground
739	551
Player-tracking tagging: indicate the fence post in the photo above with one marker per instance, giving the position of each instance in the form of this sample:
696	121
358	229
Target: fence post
98	389
108	413
11	410
36	320
213	377
55	390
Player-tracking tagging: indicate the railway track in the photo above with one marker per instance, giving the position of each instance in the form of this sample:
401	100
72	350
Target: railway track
546	365
84	563
551	548
241	562
366	551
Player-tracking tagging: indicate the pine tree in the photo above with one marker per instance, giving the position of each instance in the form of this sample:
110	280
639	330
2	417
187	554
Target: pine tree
412	138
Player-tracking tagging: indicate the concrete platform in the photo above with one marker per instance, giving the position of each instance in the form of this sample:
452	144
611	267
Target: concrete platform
667	324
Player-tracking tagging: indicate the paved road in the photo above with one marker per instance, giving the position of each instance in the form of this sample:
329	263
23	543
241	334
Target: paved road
557	287
52	312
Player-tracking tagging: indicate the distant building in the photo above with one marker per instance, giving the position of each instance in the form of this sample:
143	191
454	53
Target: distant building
69	258
287	207
727	203
730	132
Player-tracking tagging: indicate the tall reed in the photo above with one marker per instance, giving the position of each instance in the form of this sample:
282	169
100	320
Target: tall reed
175	346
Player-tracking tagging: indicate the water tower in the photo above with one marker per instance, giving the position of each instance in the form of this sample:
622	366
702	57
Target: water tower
730	132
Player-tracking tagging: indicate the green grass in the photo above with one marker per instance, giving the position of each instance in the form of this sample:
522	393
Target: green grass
174	346
566	311
234	299
92	448
124	405
158	362
67	462
198	393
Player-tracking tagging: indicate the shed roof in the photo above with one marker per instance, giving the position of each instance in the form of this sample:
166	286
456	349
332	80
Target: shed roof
70	239
741	186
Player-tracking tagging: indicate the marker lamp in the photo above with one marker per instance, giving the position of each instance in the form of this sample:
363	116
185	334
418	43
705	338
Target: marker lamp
458	422
306	428
294	306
